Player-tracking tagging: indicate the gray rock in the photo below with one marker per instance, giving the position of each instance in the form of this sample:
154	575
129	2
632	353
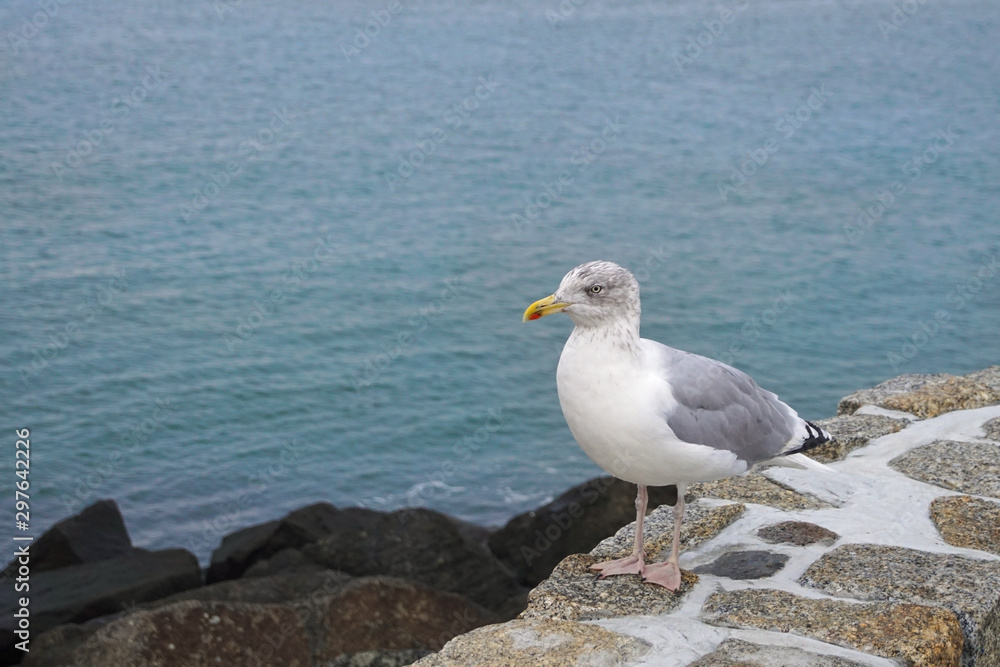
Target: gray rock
965	521
758	489
911	634
852	432
243	548
533	543
967	586
81	592
573	591
799	533
739	653
97	533
966	467
992	429
539	643
924	396
378	658
744	565
702	522
877	395
421	545
988	376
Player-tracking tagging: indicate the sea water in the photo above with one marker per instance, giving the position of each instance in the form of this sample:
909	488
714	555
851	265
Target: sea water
261	254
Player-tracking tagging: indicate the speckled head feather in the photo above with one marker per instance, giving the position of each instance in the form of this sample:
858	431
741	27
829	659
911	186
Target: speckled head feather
600	293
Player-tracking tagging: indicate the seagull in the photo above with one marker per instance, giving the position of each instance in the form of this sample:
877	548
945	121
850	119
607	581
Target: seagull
653	415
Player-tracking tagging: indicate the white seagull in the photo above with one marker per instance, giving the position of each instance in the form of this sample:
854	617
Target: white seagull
653	415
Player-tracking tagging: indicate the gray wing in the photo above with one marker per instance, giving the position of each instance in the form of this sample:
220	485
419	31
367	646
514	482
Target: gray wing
722	407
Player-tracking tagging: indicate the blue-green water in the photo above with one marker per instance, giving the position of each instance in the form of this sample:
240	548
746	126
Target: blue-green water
254	258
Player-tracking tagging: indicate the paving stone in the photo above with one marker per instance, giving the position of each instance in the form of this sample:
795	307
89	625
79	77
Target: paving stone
992	429
799	533
877	395
966	467
852	432
968	587
918	635
738	653
753	564
936	399
538	643
971	523
702	522
533	543
755	488
574	592
988	376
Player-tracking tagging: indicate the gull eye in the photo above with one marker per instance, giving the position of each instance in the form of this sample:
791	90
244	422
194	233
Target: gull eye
596	289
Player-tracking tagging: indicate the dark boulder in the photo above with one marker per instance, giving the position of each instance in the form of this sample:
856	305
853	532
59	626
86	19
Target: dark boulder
97	533
421	545
81	592
533	543
389	614
368	621
190	633
243	548
287	587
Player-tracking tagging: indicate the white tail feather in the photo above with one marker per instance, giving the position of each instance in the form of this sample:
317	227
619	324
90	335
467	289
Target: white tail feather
800	461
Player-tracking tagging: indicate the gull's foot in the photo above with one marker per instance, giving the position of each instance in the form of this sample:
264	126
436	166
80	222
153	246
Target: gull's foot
629	565
667	575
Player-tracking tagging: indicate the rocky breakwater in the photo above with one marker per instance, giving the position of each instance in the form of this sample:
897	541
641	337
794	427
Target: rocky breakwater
321	586
892	559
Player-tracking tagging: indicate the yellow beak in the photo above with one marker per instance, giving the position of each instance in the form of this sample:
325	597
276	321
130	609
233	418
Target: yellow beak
543	307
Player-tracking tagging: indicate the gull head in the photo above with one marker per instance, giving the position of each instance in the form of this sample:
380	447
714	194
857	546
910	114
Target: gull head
593	294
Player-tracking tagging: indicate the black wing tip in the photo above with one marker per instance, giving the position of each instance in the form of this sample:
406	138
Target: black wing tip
817	437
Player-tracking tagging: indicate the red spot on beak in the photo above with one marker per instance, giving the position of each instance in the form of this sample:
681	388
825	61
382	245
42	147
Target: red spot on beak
534	316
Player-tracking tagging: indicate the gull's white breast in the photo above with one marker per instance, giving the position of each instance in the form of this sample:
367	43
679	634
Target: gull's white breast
616	403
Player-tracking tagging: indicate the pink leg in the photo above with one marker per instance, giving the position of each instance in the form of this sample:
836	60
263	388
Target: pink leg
636	563
668	573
